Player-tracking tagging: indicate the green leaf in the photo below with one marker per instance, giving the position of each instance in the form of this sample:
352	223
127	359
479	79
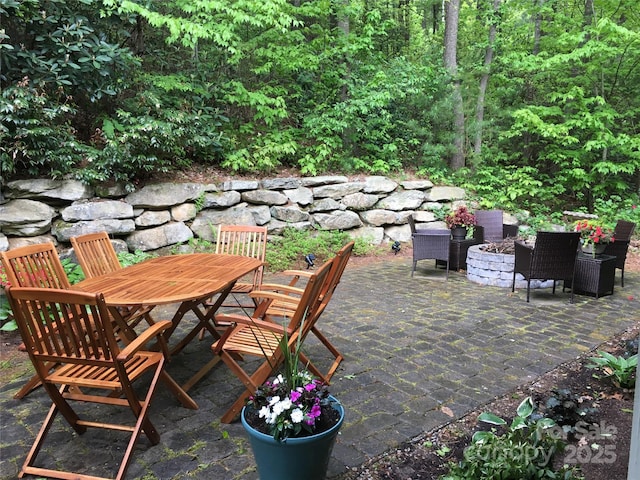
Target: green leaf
482	436
491	418
525	409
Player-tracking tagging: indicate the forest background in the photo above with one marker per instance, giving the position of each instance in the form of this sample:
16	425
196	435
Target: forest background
529	104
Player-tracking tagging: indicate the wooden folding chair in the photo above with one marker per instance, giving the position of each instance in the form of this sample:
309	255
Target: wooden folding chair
259	338
277	308
74	330
97	256
248	241
34	266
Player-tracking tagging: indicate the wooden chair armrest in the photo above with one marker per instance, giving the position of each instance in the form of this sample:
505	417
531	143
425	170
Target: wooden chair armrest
266	326
298	273
275	287
141	340
271	296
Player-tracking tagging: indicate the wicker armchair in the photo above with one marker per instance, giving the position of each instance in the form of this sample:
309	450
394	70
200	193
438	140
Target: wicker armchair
489	227
552	258
619	247
430	244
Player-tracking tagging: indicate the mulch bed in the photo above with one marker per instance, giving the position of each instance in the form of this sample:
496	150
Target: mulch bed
610	411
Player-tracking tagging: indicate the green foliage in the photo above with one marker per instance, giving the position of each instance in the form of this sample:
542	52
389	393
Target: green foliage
621	369
72	270
127	259
36	136
524	451
194	245
323	87
568	409
154	135
7	323
618	208
62	46
289	250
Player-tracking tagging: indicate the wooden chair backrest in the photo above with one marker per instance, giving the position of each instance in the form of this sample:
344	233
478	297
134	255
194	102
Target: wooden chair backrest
338	265
311	303
95	254
245	240
35	266
64	326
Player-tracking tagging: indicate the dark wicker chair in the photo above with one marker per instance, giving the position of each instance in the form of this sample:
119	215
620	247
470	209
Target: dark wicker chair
552	258
412	225
489	227
431	244
619	247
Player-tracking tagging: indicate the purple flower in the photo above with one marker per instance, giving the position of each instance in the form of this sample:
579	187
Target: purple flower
315	411
309	387
295	396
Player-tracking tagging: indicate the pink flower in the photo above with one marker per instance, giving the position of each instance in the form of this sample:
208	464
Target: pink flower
295	396
315	411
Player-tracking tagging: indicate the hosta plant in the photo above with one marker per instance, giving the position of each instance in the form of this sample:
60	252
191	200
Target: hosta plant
622	370
525	449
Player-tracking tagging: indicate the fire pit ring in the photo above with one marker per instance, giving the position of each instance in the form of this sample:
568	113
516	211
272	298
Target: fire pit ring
496	269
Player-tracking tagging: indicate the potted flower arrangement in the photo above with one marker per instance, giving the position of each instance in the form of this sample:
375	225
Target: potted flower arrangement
292	422
594	237
459	220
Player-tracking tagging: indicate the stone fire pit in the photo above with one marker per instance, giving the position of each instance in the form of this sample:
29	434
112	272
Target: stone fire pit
496	269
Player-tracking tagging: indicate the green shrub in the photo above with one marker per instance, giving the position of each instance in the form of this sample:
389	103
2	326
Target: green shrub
524	451
131	258
622	370
289	250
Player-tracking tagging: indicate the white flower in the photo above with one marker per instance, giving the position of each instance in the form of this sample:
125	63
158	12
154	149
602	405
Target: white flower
286	403
278	380
297	416
274	400
280	407
265	413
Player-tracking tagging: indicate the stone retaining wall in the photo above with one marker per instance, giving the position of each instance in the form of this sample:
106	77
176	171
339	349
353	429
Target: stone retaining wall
166	214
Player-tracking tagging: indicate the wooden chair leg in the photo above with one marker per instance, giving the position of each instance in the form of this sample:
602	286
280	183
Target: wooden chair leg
334	351
178	391
250	383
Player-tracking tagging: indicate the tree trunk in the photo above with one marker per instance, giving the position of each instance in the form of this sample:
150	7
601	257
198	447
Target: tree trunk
451	15
484	80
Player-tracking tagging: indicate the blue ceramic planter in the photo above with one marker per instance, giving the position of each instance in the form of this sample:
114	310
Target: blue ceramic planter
294	458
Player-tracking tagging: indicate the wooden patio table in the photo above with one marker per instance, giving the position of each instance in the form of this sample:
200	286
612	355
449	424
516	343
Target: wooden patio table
190	280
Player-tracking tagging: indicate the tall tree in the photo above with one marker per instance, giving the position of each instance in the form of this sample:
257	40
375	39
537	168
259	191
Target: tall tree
452	16
484	79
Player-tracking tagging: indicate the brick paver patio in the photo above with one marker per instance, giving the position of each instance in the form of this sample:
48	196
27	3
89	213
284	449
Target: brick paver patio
411	346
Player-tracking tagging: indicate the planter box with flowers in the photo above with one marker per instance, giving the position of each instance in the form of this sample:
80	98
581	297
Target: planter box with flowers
292	422
459	220
594	237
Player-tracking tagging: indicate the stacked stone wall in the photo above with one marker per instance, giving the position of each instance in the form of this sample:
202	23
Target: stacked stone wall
165	214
